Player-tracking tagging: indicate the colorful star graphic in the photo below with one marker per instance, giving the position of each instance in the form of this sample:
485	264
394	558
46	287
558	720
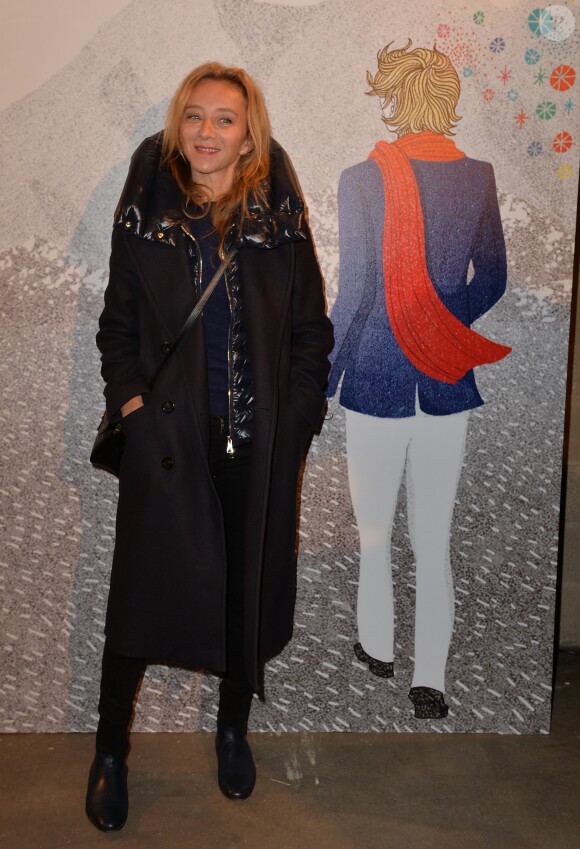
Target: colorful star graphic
563	77
521	118
497	45
568	106
546	110
566	171
532	56
505	75
540	77
541	22
563	142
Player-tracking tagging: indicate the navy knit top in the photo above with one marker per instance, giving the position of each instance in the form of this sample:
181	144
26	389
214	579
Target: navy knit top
216	316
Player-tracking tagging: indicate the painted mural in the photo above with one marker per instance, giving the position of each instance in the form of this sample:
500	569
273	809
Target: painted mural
65	150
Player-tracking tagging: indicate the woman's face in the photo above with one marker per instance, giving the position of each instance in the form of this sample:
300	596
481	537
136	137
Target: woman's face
214	134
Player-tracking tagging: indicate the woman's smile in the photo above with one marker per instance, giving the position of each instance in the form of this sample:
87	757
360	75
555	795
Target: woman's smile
214	133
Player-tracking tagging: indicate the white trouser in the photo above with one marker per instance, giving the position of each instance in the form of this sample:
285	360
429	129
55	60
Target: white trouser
378	450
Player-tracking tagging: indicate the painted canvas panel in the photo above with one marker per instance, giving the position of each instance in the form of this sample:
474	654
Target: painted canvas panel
65	150
415	219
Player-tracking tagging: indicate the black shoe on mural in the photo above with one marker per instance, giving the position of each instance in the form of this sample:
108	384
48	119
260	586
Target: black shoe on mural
380	668
107	802
236	769
429	703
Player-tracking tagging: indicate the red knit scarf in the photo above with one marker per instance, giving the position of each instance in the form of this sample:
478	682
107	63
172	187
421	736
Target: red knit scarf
430	336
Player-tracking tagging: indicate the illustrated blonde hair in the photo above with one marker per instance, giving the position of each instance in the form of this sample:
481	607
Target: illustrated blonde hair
426	87
253	167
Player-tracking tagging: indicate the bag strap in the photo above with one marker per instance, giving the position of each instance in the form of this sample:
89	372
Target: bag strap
196	311
203	299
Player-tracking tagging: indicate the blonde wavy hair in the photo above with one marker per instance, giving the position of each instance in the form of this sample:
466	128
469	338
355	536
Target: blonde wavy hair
251	171
426	87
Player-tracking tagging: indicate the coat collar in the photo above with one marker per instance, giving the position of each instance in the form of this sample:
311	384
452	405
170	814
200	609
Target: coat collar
151	203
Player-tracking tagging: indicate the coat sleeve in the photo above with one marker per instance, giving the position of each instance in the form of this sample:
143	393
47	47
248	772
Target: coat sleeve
488	257
312	336
118	338
350	310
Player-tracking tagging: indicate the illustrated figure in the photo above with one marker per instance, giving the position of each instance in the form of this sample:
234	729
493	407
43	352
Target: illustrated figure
415	220
204	570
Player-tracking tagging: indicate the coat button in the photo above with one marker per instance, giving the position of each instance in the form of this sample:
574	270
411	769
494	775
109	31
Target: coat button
166	347
168	406
160	234
167	463
128	225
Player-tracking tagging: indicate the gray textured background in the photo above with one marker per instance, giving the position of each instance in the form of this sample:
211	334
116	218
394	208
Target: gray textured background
63	156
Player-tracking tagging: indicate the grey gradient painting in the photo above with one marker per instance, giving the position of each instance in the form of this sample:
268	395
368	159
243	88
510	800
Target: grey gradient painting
64	153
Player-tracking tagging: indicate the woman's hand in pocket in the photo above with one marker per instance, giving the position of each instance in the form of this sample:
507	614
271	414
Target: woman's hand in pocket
132	405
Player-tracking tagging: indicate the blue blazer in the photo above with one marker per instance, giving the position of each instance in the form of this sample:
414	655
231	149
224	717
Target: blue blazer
462	225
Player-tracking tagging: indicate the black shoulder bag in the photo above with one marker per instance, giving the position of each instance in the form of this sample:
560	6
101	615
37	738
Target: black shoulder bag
110	440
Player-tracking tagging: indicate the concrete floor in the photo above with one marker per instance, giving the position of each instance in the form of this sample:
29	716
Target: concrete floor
314	791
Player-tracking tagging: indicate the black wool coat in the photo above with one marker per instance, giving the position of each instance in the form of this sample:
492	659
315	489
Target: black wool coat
167	594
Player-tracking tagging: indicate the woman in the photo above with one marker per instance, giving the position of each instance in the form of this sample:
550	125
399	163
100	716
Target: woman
413	219
204	566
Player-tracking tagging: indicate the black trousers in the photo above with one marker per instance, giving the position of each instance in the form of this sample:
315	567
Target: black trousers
121	675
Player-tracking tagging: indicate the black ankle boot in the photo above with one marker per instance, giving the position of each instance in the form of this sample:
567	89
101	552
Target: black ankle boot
236	769
107	801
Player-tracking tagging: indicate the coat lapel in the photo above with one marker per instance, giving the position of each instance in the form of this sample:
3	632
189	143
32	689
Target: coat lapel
266	282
